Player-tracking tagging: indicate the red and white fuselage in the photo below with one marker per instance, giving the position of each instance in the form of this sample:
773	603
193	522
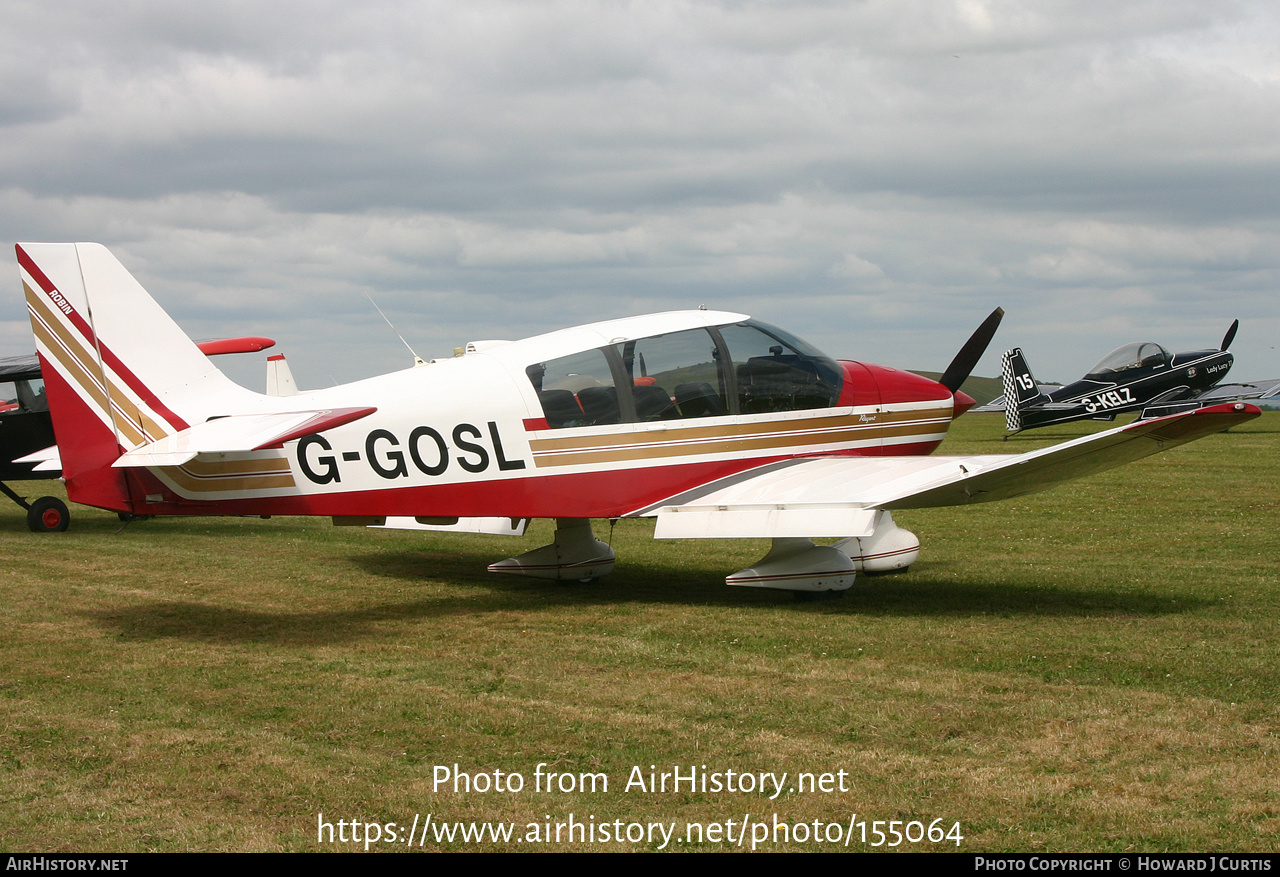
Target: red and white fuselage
466	436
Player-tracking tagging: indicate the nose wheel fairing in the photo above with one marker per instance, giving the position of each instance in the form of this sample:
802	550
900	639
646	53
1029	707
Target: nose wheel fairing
800	565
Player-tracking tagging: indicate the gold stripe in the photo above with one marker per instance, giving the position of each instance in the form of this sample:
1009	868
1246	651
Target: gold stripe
220	468
850	432
152	427
71	352
64	340
192	484
723	431
80	373
765	442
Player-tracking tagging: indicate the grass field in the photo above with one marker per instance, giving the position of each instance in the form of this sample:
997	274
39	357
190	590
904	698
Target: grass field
1092	668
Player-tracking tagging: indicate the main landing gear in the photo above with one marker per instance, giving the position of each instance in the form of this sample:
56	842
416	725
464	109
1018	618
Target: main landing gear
48	514
801	566
796	565
575	555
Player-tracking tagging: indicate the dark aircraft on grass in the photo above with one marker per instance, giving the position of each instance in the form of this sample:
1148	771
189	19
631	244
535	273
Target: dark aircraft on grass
1141	376
26	430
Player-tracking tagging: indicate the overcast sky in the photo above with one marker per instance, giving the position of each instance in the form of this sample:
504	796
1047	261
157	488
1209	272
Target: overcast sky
875	176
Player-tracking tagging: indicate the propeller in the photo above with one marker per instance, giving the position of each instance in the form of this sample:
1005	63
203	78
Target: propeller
1230	336
972	351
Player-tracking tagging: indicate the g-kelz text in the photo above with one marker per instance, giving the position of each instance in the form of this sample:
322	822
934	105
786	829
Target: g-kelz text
1109	399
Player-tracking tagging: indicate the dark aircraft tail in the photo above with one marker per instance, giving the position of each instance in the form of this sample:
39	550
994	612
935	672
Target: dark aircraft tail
1020	389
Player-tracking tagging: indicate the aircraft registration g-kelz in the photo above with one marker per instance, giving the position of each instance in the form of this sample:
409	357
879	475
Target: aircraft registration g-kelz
1139	376
715	424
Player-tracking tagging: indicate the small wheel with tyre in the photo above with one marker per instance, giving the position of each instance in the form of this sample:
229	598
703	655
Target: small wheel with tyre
48	514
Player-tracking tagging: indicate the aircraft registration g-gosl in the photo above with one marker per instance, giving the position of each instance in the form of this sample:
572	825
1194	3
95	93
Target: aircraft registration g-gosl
717	425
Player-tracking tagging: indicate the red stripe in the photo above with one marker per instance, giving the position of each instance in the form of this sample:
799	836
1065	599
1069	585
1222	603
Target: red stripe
319	422
145	394
33	269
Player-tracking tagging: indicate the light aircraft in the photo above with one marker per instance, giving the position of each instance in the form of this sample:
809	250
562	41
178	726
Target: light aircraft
25	430
715	424
1138	376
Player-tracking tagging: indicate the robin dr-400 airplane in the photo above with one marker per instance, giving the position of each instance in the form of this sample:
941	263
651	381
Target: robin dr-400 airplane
717	425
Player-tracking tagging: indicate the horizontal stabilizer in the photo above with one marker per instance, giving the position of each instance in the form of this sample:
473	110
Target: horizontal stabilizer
46	460
238	433
835	496
997	404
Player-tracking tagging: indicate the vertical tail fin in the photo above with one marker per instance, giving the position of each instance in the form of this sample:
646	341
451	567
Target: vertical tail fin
1020	389
120	372
280	377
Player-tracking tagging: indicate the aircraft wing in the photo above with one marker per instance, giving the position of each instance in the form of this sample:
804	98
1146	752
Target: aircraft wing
839	496
238	433
1248	390
1214	396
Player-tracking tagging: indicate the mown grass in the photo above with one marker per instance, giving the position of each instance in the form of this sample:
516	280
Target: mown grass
1093	668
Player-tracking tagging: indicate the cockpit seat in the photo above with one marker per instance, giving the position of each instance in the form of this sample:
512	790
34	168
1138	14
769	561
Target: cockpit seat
561	408
653	403
698	399
600	405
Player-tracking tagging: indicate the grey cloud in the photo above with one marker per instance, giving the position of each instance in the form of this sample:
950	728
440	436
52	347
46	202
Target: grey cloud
864	173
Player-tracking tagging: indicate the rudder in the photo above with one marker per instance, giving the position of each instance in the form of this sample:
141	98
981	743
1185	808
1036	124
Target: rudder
1020	389
119	372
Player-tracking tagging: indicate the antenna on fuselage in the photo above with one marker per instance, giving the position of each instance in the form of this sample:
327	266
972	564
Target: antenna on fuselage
417	360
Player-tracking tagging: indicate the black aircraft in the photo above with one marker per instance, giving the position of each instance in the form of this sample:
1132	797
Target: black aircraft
25	429
1138	376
